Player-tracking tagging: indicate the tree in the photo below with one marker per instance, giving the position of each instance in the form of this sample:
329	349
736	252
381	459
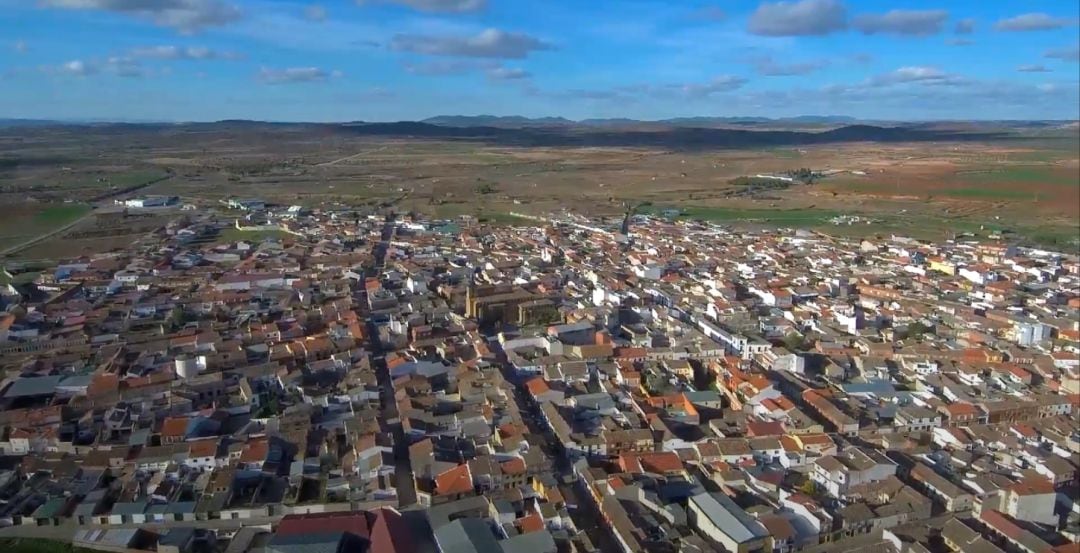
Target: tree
917	329
794	341
177	318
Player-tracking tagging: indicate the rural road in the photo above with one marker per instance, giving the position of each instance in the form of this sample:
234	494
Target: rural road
356	155
95	203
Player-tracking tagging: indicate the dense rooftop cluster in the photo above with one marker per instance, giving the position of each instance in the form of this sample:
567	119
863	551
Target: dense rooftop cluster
380	383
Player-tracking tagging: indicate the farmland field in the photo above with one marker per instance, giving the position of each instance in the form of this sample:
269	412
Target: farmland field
21	223
1023	182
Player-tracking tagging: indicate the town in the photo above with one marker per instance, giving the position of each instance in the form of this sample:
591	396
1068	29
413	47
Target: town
261	377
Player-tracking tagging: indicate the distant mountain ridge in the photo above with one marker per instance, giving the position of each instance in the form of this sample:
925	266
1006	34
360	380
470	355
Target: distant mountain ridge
517	121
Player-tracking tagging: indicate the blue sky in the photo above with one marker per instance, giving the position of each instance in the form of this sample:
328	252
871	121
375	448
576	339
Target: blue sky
382	60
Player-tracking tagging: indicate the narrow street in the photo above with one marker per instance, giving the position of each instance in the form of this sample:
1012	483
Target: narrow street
404	482
585	516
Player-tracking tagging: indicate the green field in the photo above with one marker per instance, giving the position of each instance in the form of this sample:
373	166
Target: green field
60	215
27	222
232	234
501	218
1021	174
988	194
87	185
782	217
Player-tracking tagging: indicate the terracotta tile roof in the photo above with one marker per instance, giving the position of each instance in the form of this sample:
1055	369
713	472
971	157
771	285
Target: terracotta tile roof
657	463
353	523
760	428
454	481
174	427
530	523
255	451
1032	486
537	386
390	533
960	409
513	466
203	448
1001	523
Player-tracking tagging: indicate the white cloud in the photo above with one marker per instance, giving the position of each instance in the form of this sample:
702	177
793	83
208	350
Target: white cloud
1068	53
315	12
915	74
295	75
77	67
1033	68
798	18
770	67
448	67
120	66
169	52
186	16
20	47
902	22
490	43
1033	22
446	6
508	74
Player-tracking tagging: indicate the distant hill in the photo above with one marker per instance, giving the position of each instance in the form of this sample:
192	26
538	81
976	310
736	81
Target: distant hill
496	121
27	122
695	133
516	122
673	137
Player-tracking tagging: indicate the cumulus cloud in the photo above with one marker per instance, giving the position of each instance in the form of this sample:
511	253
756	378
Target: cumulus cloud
964	27
168	52
444	6
708	13
769	67
724	83
295	75
902	22
798	18
508	74
1033	22
186	16
1033	68
915	74
490	43
76	67
1009	100
120	66
448	67
636	92
315	12
493	70
1068	53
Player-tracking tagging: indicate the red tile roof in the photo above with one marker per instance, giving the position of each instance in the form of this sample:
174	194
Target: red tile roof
1032	486
454	481
530	523
390	534
255	451
537	386
513	466
174	427
354	523
759	428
